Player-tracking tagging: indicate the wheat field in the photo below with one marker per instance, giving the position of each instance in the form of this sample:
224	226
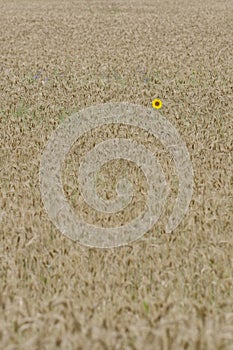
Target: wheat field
163	291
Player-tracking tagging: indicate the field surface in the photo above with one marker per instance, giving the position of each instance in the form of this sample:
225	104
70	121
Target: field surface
163	291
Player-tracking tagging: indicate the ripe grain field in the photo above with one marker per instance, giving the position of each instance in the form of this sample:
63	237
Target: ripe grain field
163	291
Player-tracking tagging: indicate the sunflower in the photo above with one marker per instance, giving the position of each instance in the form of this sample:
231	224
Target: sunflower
157	103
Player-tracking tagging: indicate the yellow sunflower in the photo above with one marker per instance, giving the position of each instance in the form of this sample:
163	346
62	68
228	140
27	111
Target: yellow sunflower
157	103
